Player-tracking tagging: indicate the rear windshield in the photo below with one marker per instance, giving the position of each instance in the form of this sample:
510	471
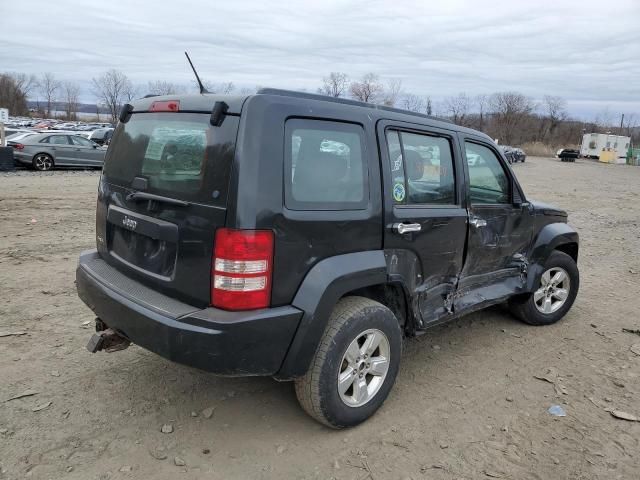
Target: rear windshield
180	154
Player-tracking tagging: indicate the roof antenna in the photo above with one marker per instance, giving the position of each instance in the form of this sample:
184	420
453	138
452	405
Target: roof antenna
202	89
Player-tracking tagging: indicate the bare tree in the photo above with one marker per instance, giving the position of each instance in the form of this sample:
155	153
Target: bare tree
113	88
12	94
482	100
249	90
604	119
458	108
71	92
392	92
49	87
131	91
429	106
510	110
25	83
224	88
161	87
335	85
368	90
555	107
630	123
556	112
413	103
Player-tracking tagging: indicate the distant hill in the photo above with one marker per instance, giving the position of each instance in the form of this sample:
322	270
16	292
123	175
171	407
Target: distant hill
87	108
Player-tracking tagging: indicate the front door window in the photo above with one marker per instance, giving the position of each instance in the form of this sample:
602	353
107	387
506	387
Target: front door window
488	181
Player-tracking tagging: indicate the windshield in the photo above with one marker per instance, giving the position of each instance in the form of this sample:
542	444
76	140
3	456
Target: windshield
181	155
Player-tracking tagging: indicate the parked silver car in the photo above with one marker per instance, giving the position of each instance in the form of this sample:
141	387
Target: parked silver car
45	151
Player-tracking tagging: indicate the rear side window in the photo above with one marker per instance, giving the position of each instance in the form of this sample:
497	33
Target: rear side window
325	166
181	155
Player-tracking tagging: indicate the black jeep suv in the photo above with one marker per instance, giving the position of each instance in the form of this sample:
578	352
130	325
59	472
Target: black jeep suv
302	237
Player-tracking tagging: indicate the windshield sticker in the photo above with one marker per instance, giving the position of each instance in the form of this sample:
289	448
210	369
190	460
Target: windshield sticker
154	149
398	192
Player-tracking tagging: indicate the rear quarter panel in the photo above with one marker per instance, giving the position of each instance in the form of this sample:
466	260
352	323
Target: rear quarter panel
303	237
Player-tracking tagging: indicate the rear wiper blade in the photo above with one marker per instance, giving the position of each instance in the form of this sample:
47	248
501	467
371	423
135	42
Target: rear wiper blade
140	196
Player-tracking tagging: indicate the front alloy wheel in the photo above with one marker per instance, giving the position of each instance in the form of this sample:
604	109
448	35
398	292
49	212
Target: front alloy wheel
553	292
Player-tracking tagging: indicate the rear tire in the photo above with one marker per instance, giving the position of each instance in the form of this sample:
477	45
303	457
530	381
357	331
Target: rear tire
43	162
554	295
355	365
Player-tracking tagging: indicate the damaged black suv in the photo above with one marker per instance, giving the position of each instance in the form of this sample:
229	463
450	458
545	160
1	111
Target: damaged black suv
302	237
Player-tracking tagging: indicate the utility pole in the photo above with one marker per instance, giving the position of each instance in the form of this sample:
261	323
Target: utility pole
621	123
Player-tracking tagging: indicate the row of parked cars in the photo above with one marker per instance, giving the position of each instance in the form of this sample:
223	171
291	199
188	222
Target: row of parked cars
44	144
54	124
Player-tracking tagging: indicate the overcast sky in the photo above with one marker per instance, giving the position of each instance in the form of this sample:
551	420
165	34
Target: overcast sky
585	51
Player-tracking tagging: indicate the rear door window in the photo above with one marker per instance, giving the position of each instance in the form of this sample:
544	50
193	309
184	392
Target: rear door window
181	155
325	166
422	168
58	140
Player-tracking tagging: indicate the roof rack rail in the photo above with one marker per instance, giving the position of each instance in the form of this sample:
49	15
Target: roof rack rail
345	101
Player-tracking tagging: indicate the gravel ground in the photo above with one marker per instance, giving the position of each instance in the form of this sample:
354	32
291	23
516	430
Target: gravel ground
466	405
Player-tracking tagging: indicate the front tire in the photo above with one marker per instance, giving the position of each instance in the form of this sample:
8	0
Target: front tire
355	365
554	295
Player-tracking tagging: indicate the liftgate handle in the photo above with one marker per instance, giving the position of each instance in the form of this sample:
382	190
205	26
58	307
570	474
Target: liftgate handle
407	227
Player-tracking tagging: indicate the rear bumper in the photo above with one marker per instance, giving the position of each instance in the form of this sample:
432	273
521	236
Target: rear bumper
228	343
21	158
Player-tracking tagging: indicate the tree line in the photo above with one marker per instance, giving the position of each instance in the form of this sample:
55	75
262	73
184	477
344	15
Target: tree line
510	117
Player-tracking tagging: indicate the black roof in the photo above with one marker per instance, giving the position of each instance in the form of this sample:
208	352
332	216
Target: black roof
204	103
382	110
346	101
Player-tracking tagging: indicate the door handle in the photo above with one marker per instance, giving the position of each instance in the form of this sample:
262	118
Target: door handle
478	222
406	227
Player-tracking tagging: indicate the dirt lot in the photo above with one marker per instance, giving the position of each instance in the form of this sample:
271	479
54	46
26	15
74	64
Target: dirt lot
466	404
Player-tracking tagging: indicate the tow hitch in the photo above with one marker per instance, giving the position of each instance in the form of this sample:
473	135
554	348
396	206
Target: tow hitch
106	339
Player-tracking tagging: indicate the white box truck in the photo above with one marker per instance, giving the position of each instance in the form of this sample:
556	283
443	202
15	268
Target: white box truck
594	143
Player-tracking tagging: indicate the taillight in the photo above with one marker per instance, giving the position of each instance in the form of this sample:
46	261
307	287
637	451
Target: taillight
165	106
18	146
242	269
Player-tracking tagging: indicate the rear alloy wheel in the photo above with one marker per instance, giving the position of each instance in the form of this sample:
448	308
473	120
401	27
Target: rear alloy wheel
42	162
355	365
554	295
363	368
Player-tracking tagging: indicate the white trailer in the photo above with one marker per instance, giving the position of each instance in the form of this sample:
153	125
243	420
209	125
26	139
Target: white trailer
594	143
